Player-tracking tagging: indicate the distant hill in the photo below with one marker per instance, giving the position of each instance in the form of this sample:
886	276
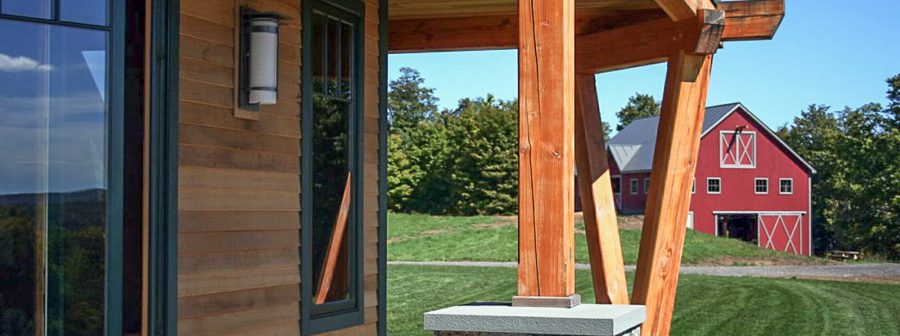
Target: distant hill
87	195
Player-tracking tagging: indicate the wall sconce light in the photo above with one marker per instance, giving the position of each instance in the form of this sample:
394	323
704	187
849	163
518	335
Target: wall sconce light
259	59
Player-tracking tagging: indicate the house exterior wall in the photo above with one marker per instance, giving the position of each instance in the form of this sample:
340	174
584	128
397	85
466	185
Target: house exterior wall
738	186
239	180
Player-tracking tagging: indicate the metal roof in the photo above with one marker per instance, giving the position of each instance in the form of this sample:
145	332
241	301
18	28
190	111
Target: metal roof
632	148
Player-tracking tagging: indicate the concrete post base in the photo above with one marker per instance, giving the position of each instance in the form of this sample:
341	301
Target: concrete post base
505	320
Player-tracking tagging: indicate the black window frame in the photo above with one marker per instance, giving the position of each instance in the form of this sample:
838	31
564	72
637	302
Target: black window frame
342	314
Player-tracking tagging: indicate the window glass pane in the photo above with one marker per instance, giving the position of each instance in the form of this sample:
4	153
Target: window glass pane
319	50
332	218
33	8
53	190
346	69
334	56
762	186
84	11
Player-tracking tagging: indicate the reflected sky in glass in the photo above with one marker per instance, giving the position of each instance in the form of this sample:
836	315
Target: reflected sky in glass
84	11
52	103
32	8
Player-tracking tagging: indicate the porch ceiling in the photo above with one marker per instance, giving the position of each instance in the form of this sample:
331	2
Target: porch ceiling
425	9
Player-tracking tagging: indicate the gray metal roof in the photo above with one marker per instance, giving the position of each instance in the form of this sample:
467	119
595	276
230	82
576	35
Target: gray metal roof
632	148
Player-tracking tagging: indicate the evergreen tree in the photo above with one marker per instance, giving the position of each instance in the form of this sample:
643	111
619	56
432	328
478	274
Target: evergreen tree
639	106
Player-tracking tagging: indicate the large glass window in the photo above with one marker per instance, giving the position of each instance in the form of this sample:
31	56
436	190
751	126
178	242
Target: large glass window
331	156
54	106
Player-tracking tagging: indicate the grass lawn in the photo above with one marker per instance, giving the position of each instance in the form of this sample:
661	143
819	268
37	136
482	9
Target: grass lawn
705	305
485	238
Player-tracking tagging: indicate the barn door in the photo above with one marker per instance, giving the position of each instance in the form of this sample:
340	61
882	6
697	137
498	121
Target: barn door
781	232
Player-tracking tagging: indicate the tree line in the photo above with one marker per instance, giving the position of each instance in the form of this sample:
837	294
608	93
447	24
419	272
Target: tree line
856	190
463	161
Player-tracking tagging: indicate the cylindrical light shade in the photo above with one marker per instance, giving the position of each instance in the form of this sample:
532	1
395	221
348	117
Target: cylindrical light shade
263	60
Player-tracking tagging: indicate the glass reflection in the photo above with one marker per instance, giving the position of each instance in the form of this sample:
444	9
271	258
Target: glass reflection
84	11
32	8
53	186
332	108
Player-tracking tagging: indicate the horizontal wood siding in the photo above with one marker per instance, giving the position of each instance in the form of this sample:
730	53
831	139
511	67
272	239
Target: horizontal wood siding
239	183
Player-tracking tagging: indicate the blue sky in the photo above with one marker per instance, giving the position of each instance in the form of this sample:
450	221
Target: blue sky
832	52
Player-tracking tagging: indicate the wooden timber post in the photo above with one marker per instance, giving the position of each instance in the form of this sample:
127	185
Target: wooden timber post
601	229
674	162
546	148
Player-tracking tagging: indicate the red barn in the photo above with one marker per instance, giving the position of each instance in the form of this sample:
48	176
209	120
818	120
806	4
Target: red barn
748	184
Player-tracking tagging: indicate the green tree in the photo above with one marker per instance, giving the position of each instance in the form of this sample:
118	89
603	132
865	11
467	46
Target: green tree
412	108
639	106
856	191
410	102
484	172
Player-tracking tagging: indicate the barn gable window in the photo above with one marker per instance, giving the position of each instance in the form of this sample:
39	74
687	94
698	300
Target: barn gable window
786	186
761	185
737	149
617	185
634	186
646	185
714	185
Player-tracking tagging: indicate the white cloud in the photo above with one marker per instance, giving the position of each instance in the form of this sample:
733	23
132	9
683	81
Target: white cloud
21	63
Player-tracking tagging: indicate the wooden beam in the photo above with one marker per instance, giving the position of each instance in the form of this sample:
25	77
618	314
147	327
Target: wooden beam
752	20
546	148
601	33
451	34
677	143
493	32
683	9
648	42
626	47
594	181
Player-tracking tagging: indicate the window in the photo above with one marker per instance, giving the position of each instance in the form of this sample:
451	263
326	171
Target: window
617	185
761	185
646	185
737	149
331	247
713	185
61	211
786	186
634	186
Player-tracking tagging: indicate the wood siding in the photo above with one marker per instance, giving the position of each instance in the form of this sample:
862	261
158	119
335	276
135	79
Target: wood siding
239	181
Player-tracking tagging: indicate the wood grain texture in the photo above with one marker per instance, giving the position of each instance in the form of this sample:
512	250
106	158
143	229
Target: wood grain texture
546	148
674	162
239	192
752	20
684	9
430	9
495	31
635	45
601	227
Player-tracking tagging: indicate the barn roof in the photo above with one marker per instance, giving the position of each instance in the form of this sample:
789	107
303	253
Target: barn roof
632	148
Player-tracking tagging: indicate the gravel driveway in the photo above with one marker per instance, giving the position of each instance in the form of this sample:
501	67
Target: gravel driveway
852	272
